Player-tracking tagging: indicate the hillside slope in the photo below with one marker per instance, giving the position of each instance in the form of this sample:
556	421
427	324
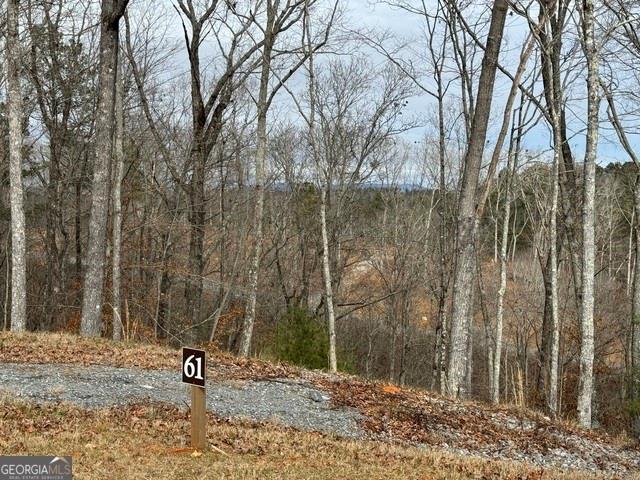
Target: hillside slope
252	392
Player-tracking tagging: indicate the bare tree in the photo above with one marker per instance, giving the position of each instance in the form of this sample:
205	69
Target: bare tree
588	216
554	341
466	223
512	156
271	30
509	174
437	27
555	109
616	121
91	321
61	71
277	22
208	110
218	215
261	153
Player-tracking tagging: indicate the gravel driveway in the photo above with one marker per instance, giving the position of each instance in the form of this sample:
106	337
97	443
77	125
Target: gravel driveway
293	403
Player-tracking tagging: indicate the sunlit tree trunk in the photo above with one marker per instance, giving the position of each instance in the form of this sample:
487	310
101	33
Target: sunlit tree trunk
326	277
585	387
15	113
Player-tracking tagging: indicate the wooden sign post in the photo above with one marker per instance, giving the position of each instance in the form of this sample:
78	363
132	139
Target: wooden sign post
194	367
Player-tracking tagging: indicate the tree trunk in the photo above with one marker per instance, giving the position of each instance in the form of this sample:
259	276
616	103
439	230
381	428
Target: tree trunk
512	165
18	234
250	314
53	283
634	387
163	304
585	388
550	342
630	249
404	334
164	289
442	328
554	330
261	154
197	215
91	321
118	157
328	288
466	222
78	221
544	349
552	53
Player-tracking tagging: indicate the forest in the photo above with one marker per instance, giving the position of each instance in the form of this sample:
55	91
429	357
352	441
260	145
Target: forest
449	200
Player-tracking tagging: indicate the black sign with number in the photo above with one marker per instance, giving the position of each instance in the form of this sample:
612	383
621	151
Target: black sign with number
194	366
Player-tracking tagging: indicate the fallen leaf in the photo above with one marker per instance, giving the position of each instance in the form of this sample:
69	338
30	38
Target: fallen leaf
391	389
181	450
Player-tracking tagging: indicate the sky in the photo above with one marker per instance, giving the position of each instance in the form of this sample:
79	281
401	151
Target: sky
405	27
382	16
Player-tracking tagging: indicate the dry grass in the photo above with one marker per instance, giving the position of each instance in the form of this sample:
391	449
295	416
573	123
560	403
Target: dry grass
148	442
67	348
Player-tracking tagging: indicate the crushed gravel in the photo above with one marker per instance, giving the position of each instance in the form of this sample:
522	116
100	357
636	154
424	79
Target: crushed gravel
288	402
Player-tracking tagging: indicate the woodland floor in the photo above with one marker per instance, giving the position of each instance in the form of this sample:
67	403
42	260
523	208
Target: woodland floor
122	405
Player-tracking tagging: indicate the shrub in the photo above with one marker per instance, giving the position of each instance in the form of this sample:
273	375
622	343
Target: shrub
301	339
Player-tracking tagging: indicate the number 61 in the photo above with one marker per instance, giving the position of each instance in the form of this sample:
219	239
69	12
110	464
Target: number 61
191	369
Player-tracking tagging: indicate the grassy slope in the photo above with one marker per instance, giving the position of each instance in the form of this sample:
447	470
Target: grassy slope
148	441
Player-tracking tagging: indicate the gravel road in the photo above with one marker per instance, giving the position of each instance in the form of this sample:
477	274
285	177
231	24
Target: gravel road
297	403
293	403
